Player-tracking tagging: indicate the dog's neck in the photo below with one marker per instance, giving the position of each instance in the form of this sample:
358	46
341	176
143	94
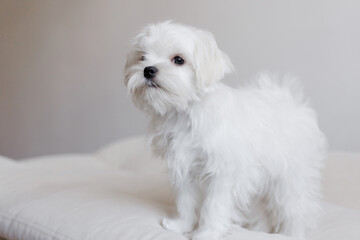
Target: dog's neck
186	118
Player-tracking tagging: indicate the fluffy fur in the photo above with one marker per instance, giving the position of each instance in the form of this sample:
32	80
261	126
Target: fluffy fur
251	156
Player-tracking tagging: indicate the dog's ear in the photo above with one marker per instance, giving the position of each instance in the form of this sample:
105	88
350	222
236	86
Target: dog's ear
210	63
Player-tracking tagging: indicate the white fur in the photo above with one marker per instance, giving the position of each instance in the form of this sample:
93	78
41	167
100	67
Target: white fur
228	150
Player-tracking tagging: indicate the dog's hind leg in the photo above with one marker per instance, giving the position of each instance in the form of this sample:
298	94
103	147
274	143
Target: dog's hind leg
293	205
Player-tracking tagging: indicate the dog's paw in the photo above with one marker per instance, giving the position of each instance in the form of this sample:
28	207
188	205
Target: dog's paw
176	225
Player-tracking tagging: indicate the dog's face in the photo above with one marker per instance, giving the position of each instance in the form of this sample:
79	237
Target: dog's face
171	66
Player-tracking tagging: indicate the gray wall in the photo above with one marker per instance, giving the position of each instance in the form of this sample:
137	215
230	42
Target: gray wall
61	64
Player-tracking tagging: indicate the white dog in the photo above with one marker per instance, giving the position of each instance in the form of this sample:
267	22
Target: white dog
227	149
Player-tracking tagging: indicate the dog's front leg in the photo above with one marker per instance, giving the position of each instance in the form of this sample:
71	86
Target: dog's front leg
187	201
217	209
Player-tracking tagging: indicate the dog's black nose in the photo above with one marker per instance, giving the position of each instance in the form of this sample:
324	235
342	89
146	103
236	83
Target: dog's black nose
150	72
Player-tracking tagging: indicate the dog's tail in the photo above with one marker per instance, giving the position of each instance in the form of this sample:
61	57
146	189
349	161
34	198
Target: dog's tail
286	84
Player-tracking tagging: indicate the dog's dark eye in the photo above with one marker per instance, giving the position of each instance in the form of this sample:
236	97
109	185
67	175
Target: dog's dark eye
178	60
142	58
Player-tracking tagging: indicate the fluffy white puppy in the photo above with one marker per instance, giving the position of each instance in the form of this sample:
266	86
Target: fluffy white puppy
227	149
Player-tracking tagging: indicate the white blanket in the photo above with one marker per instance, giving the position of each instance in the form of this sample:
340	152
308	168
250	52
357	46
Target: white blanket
119	193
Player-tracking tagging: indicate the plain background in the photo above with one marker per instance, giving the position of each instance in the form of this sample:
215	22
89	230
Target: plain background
61	64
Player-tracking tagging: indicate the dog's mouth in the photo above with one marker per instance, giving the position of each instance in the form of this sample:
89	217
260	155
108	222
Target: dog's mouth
151	83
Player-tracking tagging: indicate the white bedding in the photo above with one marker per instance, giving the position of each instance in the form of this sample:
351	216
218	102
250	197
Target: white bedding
120	193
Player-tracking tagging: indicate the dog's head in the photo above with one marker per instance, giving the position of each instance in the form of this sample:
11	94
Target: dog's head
171	66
